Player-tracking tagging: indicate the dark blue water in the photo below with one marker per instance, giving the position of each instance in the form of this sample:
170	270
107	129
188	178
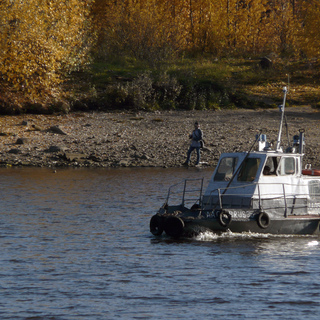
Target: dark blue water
75	244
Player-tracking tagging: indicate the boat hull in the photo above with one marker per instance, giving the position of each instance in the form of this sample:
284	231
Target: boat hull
280	226
179	226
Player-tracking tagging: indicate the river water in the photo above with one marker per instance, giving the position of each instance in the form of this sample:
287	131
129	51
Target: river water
75	244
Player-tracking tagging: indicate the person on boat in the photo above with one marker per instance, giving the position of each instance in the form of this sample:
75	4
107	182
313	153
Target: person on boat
196	137
266	171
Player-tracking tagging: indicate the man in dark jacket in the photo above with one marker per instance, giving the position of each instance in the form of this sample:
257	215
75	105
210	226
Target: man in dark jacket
196	137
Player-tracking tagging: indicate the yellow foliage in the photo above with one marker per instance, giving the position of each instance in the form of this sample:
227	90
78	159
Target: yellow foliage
310	36
145	28
40	40
43	40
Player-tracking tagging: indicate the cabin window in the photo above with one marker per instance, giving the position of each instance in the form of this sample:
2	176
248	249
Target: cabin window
226	169
271	166
287	166
249	169
314	189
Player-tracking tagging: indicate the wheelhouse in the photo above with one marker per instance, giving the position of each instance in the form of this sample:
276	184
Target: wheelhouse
254	166
259	180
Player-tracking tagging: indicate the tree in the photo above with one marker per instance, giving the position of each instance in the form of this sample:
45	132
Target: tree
40	42
142	29
309	37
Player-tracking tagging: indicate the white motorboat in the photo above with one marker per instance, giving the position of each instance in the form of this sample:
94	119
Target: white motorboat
263	191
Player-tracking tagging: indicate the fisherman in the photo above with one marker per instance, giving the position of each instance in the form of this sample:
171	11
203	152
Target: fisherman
196	138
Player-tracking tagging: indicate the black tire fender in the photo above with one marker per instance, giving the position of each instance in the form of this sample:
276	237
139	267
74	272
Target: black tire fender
156	225
174	226
224	218
263	220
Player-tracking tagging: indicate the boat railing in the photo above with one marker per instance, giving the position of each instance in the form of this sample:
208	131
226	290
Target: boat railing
251	196
188	191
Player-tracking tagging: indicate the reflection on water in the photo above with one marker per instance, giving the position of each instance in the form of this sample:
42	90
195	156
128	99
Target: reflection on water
76	245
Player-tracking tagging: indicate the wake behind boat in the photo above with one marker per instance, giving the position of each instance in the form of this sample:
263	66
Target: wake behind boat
263	191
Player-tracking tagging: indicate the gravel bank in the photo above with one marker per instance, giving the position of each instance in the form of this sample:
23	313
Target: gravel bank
144	139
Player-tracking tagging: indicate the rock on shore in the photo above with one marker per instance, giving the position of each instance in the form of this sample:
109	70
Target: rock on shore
144	139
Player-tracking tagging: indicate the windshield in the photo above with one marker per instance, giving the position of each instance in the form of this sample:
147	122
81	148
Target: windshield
249	169
226	169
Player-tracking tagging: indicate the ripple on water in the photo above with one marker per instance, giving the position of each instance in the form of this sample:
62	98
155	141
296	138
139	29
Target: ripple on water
76	245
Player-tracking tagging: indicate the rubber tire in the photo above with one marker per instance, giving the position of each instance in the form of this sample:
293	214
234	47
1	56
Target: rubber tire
221	217
263	220
174	226
156	225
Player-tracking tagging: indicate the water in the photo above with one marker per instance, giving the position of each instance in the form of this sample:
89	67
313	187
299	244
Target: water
75	244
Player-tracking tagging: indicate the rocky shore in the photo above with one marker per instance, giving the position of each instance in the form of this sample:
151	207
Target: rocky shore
144	139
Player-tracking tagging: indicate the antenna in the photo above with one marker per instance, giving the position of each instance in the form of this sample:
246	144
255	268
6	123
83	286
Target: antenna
281	108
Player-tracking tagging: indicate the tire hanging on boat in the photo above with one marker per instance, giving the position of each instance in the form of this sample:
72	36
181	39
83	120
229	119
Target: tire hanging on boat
224	218
263	220
174	226
156	225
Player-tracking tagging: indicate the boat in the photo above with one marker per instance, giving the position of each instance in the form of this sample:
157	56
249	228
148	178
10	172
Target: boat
263	190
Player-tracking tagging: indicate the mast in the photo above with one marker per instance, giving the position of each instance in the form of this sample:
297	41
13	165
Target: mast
281	107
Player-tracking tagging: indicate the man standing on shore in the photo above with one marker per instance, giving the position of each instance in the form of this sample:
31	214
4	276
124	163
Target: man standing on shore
196	137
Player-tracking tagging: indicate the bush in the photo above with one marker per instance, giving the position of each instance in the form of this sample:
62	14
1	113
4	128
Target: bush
167	91
138	94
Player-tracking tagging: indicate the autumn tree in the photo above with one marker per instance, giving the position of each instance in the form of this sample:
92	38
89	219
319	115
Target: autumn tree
147	29
150	28
309	39
40	41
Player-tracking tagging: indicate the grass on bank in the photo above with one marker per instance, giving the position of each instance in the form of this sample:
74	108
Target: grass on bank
199	83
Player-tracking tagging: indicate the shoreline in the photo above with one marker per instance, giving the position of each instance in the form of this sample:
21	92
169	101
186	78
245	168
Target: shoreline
145	139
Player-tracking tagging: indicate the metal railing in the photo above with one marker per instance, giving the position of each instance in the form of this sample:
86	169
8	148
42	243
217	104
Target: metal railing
249	196
188	196
222	198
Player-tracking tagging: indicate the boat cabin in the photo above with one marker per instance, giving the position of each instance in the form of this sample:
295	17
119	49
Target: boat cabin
255	166
266	180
